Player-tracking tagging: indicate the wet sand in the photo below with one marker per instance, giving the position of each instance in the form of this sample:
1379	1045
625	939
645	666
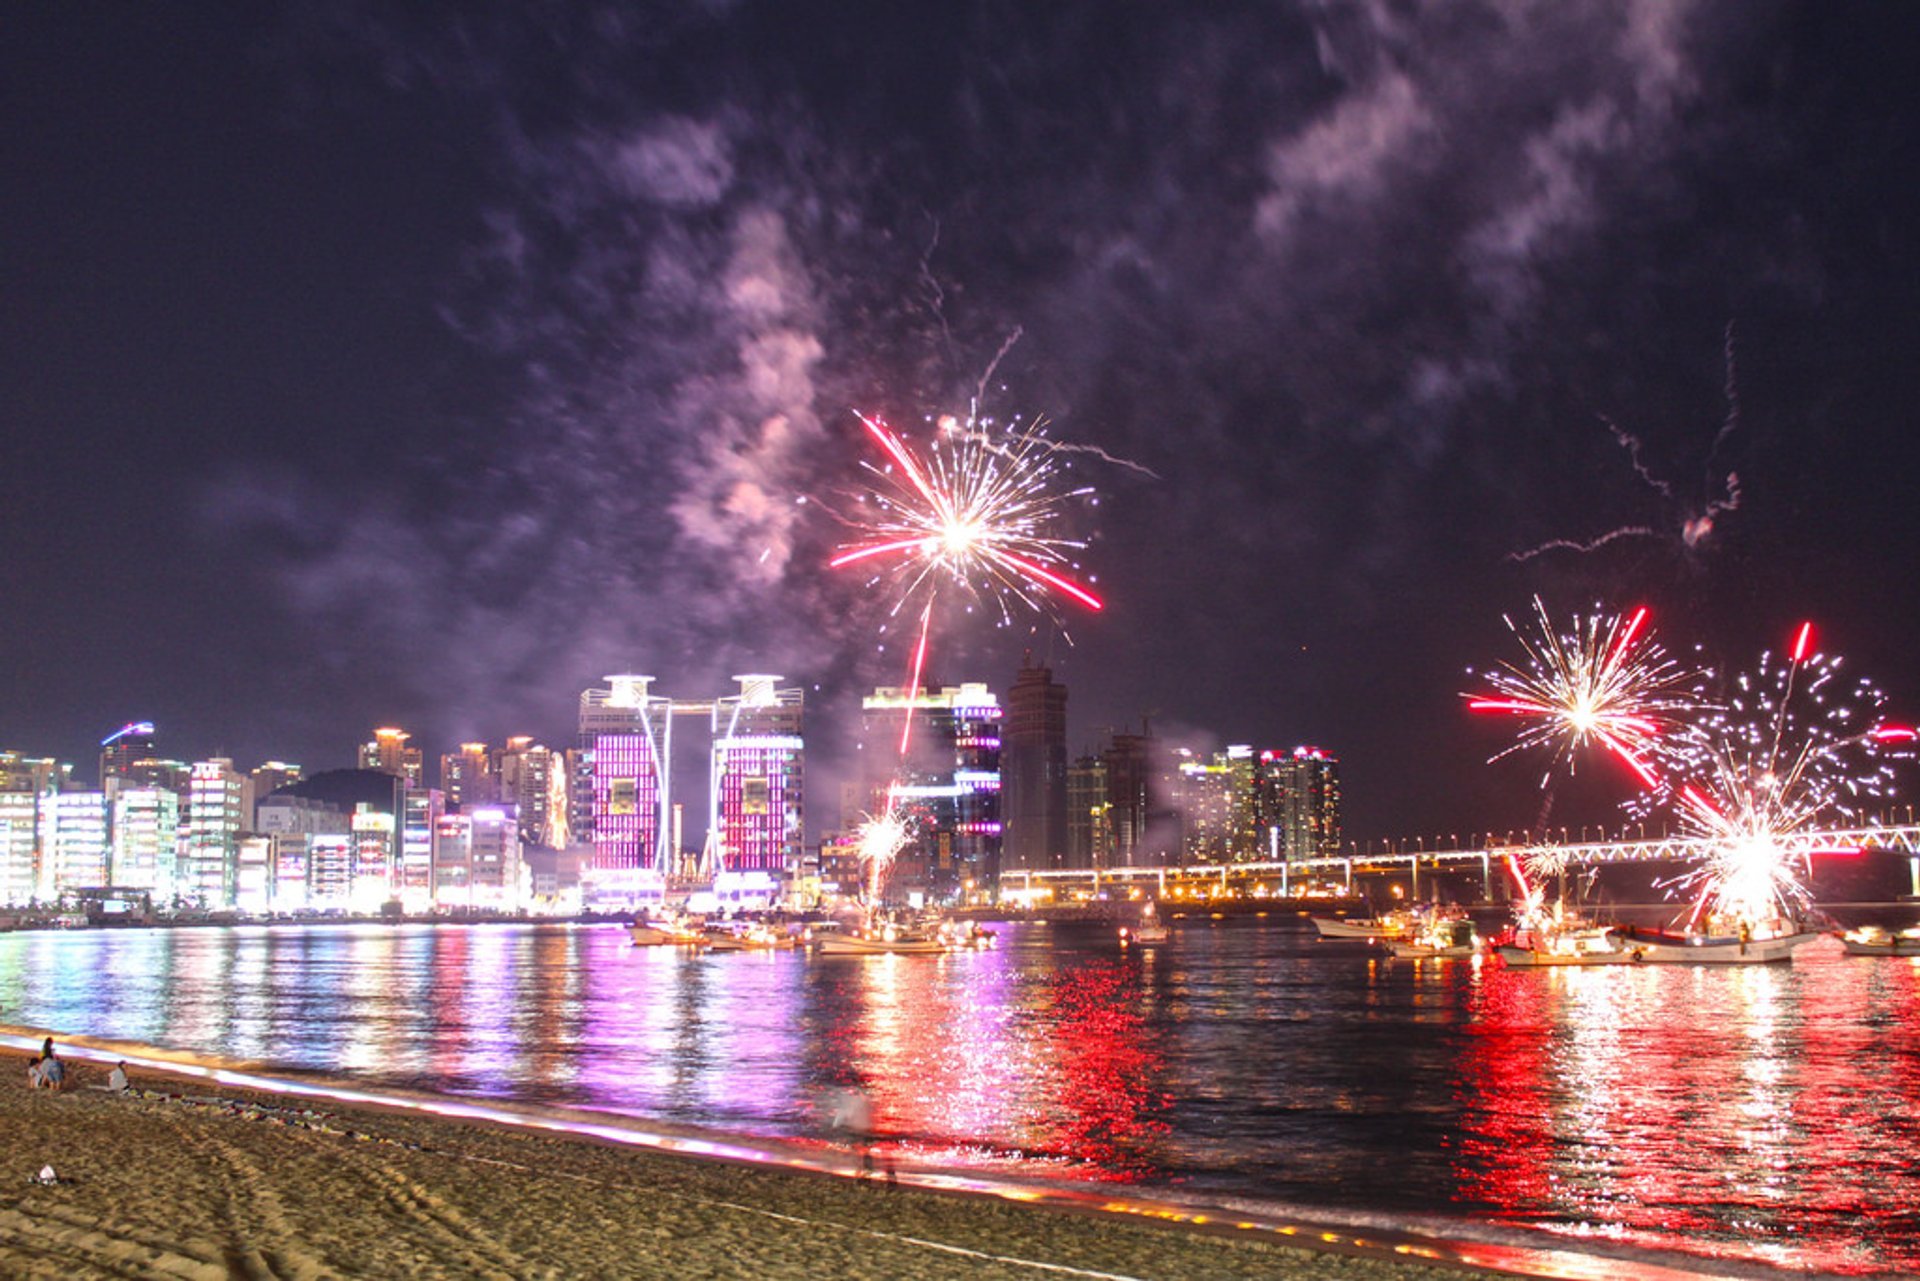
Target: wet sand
186	1177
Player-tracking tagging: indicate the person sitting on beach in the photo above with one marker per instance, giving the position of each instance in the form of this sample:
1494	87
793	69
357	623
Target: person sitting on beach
117	1079
53	1073
33	1073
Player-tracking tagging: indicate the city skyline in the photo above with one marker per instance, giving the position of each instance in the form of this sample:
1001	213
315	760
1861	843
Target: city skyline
368	372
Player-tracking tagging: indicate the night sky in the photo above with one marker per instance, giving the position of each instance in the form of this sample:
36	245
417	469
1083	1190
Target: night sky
362	370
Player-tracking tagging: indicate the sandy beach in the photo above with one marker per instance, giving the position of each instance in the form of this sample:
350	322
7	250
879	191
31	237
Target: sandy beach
183	1177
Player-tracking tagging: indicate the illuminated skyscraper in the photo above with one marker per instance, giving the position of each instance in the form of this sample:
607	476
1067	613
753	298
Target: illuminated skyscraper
1033	771
467	777
533	779
145	839
756	829
947	786
1205	804
120	749
1089	814
389	753
215	816
626	738
73	842
375	843
493	858
1131	796
269	777
420	812
1300	799
27	786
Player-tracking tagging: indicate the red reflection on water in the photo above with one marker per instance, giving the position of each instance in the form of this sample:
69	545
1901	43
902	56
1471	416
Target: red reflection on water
1748	1112
1107	1066
977	1057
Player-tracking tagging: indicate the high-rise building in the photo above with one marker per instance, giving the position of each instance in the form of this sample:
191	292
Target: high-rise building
174	776
33	774
756	831
216	810
73	842
269	777
1216	801
27	786
388	752
1033	772
626	736
1300	800
1132	795
419	818
933	757
330	871
533	779
493	861
1204	802
253	876
468	777
374	845
120	749
1089	814
146	835
19	847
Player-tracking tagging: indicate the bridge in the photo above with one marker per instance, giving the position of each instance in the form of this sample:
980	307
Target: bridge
1288	876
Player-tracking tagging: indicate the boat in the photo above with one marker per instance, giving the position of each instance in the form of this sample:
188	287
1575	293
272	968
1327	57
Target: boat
964	936
665	933
1580	945
1561	935
884	941
1448	937
1148	929
1723	943
1871	940
1391	926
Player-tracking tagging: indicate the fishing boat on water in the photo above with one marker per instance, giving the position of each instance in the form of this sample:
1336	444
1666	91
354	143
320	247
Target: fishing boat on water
1392	925
1441	938
1148	929
879	941
1872	940
1723	942
1573	945
666	932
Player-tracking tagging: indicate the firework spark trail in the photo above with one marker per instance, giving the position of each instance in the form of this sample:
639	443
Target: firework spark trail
1602	680
913	680
1694	526
1790	752
1592	544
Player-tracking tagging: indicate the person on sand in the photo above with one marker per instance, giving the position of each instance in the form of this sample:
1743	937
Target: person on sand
117	1079
33	1073
53	1073
46	1050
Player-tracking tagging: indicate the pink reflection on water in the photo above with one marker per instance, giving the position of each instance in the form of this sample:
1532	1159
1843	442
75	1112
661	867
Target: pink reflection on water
1761	1112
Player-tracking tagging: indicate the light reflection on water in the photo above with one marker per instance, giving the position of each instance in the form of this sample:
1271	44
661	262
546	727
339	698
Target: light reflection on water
1765	1112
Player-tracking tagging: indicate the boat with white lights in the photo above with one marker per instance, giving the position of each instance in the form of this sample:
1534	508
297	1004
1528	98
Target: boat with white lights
1723	943
1148	929
666	932
879	941
1583	945
1393	925
1441	938
1872	940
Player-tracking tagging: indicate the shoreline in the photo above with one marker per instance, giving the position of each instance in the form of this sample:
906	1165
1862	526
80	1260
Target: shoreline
209	1169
